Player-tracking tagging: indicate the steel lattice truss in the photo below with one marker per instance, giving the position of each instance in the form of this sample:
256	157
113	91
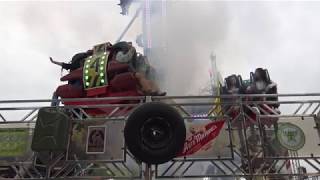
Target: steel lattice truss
248	149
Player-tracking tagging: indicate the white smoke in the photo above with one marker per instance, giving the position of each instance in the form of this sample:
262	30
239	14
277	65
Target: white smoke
280	36
187	33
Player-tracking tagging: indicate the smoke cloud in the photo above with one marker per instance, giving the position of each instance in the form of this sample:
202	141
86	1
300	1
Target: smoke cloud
279	36
182	41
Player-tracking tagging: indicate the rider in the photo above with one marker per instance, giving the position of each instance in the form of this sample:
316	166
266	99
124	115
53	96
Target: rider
76	62
233	86
262	84
124	52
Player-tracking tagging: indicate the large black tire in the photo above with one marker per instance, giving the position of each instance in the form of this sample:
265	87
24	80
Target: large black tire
155	133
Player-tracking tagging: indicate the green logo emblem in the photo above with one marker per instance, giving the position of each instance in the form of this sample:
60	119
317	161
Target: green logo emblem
291	136
94	70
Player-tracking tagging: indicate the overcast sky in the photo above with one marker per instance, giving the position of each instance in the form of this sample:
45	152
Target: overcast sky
30	32
283	37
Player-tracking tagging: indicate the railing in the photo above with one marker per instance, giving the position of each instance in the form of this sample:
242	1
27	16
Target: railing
246	147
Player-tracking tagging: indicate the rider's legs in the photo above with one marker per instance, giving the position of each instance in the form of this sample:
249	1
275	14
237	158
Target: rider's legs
148	86
54	99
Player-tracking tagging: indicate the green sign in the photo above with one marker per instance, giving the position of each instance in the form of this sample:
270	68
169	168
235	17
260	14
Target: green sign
291	136
94	70
13	142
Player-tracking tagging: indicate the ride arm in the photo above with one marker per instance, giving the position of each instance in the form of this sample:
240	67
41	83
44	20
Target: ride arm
125	4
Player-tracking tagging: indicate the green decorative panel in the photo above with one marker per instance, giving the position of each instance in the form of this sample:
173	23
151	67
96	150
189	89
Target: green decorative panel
94	71
13	142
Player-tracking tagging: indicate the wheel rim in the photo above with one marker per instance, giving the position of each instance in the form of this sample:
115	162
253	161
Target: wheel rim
156	133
